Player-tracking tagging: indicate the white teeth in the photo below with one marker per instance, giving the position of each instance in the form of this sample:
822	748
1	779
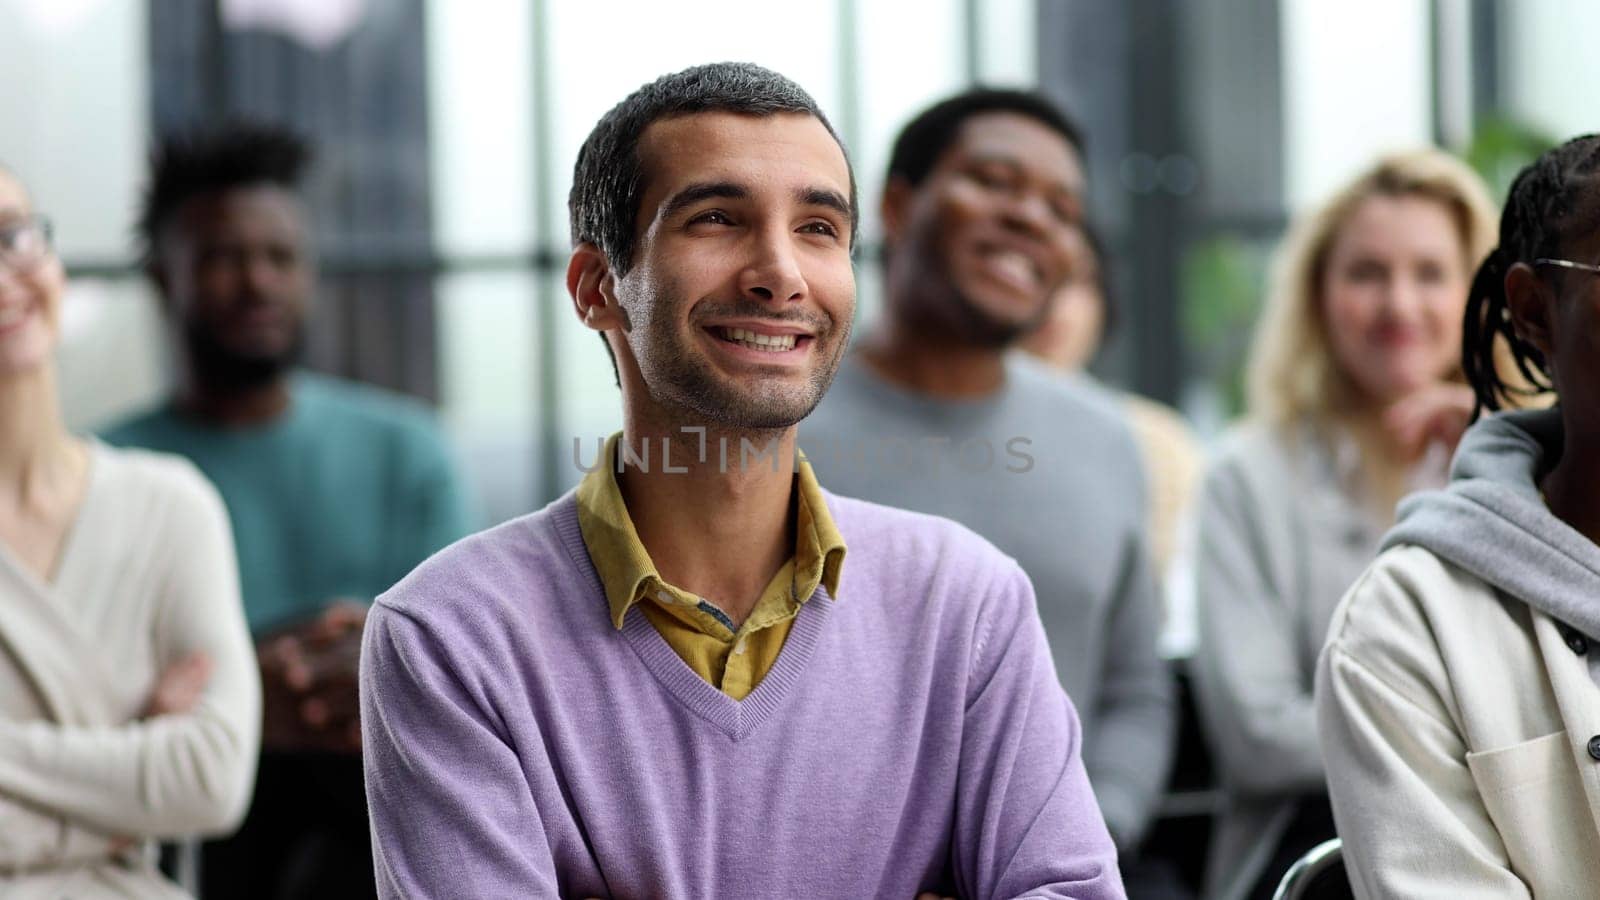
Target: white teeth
1013	265
771	342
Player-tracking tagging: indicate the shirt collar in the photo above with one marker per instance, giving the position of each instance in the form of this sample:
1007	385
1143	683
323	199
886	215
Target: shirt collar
627	572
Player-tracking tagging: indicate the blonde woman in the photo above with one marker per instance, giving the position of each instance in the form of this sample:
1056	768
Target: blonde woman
130	705
1356	397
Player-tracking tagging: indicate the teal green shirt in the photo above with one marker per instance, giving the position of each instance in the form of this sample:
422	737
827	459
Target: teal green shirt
339	498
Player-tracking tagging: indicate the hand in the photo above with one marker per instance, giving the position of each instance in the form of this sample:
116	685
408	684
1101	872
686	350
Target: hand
1437	414
293	658
338	621
180	686
309	682
330	707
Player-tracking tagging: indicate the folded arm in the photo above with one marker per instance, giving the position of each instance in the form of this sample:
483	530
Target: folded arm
173	774
32	837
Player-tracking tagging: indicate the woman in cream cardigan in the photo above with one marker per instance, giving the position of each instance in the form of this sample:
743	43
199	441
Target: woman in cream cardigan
1457	696
1356	397
129	701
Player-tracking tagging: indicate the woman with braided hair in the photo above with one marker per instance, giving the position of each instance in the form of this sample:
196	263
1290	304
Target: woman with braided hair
1458	695
1357	396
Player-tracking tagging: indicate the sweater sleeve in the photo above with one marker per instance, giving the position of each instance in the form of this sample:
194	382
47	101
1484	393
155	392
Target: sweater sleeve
1129	751
451	812
1254	693
1404	797
34	838
1026	819
173	775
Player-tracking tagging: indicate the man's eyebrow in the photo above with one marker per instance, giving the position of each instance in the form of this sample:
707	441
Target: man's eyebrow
824	197
704	190
1010	161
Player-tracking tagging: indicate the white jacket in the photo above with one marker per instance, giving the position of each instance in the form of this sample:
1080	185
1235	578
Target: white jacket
1461	733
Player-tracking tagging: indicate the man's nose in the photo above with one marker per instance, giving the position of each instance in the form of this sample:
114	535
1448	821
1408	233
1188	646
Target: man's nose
1029	211
261	272
773	271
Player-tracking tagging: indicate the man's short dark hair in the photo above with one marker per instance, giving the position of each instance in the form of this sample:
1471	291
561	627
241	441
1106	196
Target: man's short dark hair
608	180
239	155
925	139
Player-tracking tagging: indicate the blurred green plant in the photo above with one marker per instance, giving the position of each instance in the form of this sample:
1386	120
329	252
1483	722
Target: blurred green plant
1501	146
1224	279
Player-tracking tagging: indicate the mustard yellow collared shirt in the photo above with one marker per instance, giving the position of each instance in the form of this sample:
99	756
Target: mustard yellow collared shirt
733	661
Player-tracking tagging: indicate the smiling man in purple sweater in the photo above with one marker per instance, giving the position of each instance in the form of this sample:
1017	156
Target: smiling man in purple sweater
669	683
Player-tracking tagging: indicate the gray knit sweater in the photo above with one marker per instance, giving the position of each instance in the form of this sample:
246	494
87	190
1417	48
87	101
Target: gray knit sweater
1048	471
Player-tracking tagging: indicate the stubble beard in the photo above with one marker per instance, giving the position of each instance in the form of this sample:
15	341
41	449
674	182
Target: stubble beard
224	367
679	377
986	330
958	314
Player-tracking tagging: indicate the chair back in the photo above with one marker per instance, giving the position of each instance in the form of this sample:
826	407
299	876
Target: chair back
1318	875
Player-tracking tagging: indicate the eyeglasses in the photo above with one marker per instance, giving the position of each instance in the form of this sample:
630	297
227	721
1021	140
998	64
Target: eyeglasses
25	242
1568	264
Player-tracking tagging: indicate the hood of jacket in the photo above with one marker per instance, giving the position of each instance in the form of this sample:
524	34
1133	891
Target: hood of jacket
1492	521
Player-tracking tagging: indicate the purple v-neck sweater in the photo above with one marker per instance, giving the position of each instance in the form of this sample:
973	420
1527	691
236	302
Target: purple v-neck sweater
911	736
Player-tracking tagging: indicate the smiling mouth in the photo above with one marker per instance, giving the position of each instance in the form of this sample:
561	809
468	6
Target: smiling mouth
1013	267
767	343
1397	336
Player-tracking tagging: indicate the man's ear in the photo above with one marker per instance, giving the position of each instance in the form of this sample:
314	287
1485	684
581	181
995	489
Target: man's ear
1532	306
592	285
895	207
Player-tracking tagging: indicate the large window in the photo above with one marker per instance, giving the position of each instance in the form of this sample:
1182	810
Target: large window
448	132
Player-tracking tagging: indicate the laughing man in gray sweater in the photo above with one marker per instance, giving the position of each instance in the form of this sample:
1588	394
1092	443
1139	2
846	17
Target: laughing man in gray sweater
932	413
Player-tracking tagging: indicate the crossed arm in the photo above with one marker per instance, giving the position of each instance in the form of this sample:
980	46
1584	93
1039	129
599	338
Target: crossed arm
186	765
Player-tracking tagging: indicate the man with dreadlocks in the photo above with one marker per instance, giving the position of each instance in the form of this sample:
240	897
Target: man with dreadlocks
335	491
1459	693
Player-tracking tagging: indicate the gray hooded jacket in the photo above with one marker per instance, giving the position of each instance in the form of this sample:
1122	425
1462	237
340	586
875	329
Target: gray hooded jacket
1492	521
